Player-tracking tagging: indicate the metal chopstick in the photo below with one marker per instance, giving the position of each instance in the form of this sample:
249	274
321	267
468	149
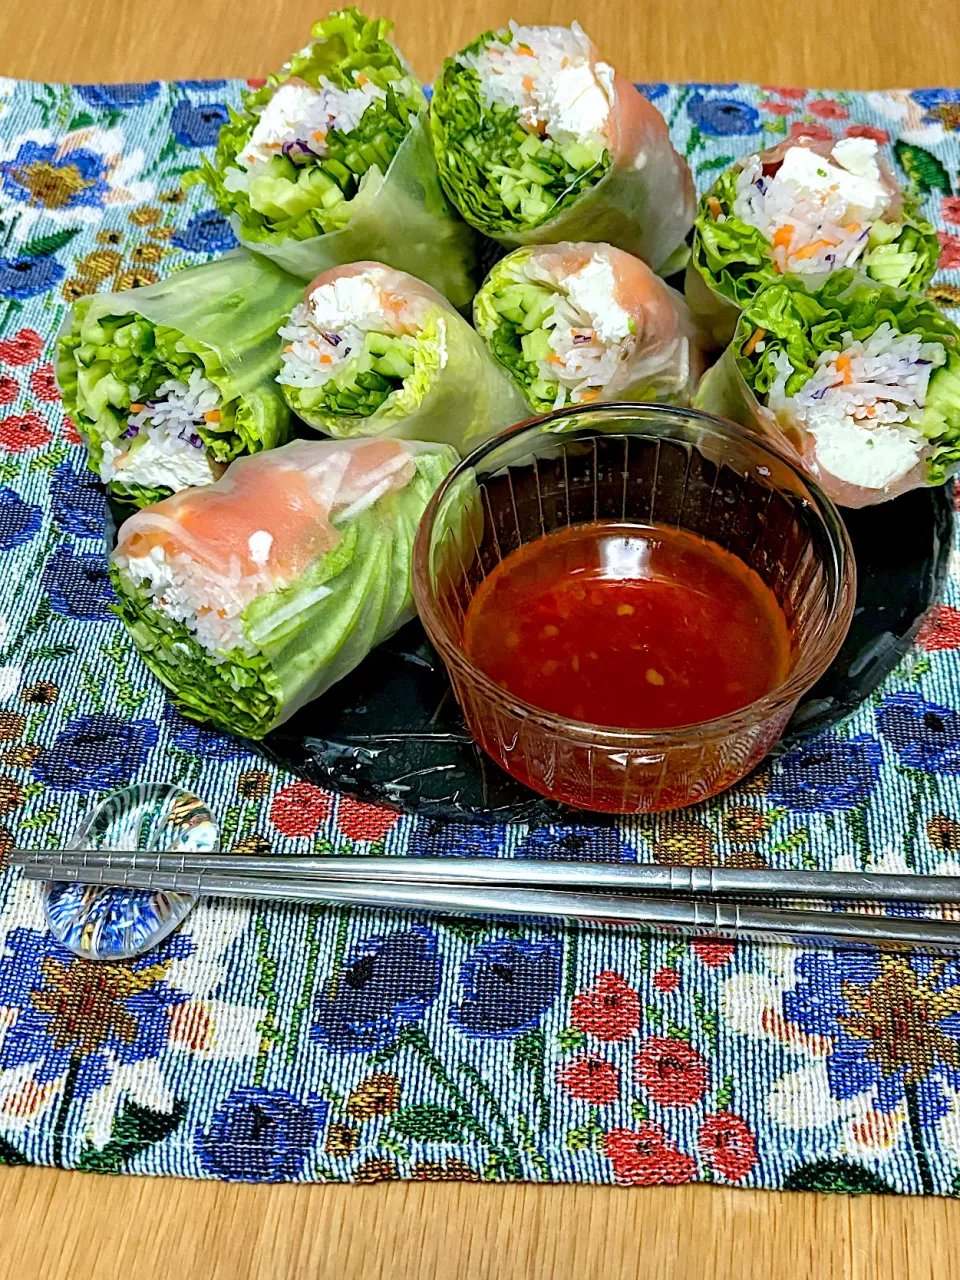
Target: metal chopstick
703	881
731	920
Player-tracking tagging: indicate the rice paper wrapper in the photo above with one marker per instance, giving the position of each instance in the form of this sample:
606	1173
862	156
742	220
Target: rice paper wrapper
234	306
337	585
402	218
646	200
470	397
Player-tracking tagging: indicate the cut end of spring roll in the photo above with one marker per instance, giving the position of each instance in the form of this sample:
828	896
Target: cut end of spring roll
809	208
375	351
574	323
521	123
537	140
304	146
250	597
169	383
863	380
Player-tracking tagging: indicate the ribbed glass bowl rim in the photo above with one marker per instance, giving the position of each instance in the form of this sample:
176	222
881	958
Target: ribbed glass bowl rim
812	665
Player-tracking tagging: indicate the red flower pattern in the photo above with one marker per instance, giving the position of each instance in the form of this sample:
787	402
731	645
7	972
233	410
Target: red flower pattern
950	209
941	629
726	1143
257	82
816	132
43	383
827	109
713	952
783	92
666	979
360	821
592	1079
23	431
23	348
299	809
780	108
609	1010
949	250
8	389
645	1157
70	432
879	136
672	1071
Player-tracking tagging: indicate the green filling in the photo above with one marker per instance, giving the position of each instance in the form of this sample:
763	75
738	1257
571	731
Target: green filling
298	201
200	688
112	354
735	258
399	369
804	324
501	177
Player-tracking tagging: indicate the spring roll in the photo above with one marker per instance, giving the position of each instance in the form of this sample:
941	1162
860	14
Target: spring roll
251	597
375	352
578	322
537	141
169	383
860	380
805	208
331	162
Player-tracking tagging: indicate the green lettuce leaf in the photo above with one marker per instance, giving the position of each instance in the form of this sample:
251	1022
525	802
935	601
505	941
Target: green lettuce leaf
221	318
500	177
306	639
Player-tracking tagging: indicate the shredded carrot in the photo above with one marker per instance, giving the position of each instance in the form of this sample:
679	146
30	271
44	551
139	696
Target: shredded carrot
318	135
362	79
311	343
212	415
288	347
221	613
554	360
782	237
526	51
137	408
587	397
843	368
809	250
325	359
753	341
528	83
716	208
851	227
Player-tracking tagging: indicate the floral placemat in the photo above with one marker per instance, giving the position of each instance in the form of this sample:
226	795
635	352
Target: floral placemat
276	1044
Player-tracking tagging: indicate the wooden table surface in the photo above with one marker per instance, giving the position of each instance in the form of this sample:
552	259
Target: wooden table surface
56	1225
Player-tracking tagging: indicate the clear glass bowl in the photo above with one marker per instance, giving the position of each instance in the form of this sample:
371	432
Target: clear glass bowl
649	464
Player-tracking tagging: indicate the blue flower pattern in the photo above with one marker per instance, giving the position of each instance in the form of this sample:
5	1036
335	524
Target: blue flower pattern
258	1135
22	278
385	984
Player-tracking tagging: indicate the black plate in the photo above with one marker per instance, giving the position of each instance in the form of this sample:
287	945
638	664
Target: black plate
392	731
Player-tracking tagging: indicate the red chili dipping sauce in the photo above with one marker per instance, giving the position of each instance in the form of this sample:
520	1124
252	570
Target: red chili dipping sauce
628	626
